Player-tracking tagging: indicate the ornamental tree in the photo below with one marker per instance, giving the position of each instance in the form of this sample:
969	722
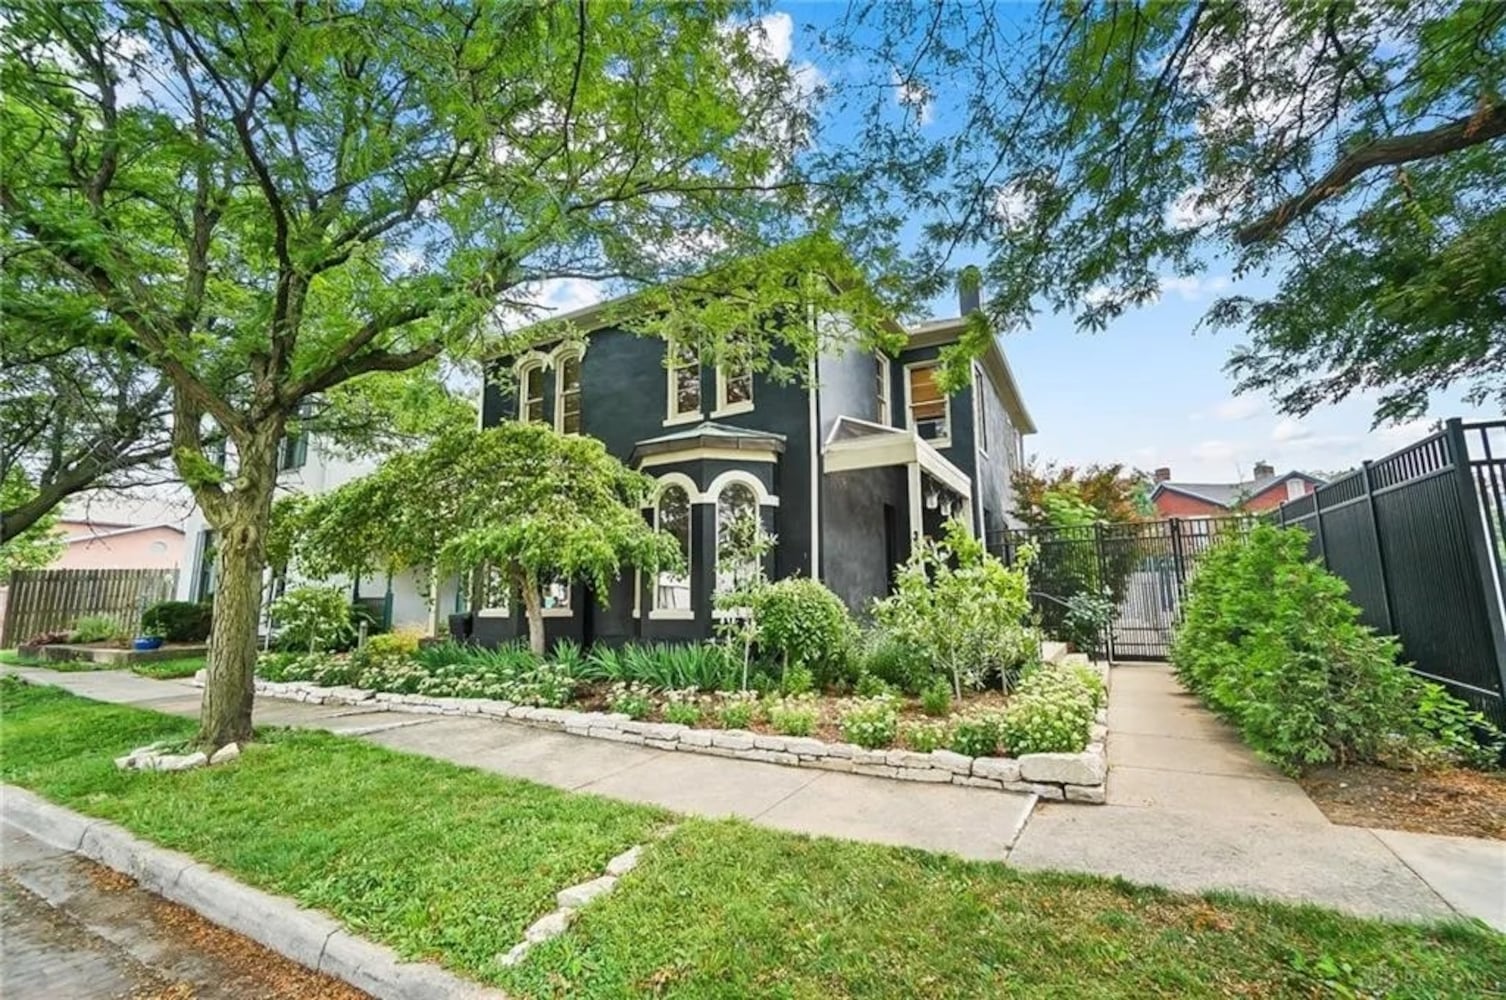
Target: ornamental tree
1098	153
269	201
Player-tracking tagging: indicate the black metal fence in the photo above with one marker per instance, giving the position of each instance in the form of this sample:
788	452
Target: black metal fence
1143	566
1420	537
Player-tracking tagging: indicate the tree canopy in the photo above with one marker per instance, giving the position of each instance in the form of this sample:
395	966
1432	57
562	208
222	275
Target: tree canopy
1349	153
1049	495
522	501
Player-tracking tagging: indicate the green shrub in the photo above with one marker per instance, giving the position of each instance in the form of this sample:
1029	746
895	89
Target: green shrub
662	666
923	737
1458	731
795	716
1070	680
1270	642
936	700
1086	620
872	686
323	669
977	735
871	722
568	655
682	708
895	663
631	700
454	670
1053	721
312	619
801	623
95	628
178	621
797	680
737	711
961	609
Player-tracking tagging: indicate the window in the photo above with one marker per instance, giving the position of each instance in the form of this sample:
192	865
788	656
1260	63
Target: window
980	412
734	381
567	395
293	450
204	586
531	393
672	516
684	383
882	413
556	595
1295	488
930	409
736	529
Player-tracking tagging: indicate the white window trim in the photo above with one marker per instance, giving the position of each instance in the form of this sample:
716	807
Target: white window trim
724	408
714	491
558	612
684	483
574	353
886	378
672	396
761	497
980	412
942	442
526	367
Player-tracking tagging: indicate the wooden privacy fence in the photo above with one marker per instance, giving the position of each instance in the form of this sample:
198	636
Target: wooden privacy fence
1420	537
52	600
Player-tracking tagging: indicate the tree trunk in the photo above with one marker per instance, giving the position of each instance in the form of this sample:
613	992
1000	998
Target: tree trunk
240	518
533	607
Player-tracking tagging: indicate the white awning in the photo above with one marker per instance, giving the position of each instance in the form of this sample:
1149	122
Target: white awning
858	444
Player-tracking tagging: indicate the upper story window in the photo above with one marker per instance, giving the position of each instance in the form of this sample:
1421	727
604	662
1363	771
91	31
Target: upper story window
882	412
684	383
672	516
1295	488
734	382
531	393
293	450
930	410
567	395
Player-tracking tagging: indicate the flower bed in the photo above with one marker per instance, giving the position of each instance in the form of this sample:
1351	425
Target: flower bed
984	730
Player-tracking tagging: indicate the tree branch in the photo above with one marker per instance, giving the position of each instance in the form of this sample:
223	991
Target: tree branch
1487	123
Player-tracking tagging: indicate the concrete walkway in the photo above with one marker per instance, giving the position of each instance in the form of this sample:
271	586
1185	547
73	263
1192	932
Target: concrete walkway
1190	808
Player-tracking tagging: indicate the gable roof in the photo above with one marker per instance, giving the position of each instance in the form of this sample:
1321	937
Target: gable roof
116	531
940	331
1230	494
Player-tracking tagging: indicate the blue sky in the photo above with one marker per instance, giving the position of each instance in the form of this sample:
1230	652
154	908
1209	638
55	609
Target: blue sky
1147	391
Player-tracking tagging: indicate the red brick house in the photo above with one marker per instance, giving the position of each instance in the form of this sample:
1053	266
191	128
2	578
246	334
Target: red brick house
1264	492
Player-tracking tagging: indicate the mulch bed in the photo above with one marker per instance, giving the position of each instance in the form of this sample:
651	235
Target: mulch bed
1451	801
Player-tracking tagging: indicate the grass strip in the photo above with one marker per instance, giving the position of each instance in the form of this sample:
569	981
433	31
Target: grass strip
449	864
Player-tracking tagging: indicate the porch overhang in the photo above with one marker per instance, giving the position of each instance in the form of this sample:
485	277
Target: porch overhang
857	444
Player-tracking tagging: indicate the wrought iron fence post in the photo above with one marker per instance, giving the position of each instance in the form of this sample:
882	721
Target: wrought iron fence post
1480	542
1380	549
1102	641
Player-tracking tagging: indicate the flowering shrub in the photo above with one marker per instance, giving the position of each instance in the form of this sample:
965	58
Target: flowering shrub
1069	680
631	700
312	619
923	737
315	668
682	707
794	716
521	682
977	735
1056	720
737	711
871	722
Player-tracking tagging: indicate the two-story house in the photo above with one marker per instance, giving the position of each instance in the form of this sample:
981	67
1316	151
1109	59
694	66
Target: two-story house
843	470
1264	492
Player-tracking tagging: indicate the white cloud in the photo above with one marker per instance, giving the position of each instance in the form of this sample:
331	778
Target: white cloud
1289	429
543	299
1214	452
913	95
1237	408
1194	288
772	37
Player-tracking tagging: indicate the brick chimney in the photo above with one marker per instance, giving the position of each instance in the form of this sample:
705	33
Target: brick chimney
1263	470
1162	474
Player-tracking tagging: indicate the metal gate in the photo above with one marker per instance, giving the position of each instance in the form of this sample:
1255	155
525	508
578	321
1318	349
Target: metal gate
1142	565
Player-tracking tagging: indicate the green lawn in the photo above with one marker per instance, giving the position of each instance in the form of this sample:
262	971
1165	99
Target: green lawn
160	670
448	863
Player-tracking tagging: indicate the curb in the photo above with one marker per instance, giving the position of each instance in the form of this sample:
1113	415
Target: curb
308	937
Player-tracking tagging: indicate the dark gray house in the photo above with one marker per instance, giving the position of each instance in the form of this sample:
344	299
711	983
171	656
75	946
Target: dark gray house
844	471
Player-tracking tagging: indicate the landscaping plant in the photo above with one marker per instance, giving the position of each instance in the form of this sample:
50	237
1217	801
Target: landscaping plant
885	658
871	723
94	628
976	735
737	711
962	609
312	619
936	700
802	624
178	621
682	707
794	716
631	700
923	737
1270	642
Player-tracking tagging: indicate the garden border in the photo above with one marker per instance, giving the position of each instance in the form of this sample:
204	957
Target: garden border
1069	777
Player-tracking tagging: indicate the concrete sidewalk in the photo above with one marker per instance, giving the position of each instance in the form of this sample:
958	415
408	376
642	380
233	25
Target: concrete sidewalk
949	818
1190	808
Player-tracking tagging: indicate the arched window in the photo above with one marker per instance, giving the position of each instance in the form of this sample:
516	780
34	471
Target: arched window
567	394
737	527
672	516
531	393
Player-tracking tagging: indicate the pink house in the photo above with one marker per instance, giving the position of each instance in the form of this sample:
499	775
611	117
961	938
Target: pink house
107	545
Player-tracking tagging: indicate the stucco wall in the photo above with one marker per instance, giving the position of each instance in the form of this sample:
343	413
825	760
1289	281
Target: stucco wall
158	547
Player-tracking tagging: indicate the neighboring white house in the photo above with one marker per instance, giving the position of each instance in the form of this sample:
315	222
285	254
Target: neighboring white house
306	467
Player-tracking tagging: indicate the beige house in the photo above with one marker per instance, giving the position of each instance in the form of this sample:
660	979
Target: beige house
108	545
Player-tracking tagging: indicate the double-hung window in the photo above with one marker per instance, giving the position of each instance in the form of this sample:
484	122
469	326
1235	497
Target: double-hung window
930	413
531	393
567	394
684	383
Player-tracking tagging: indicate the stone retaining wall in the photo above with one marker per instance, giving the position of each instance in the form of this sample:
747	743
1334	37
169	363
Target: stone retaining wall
1072	777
